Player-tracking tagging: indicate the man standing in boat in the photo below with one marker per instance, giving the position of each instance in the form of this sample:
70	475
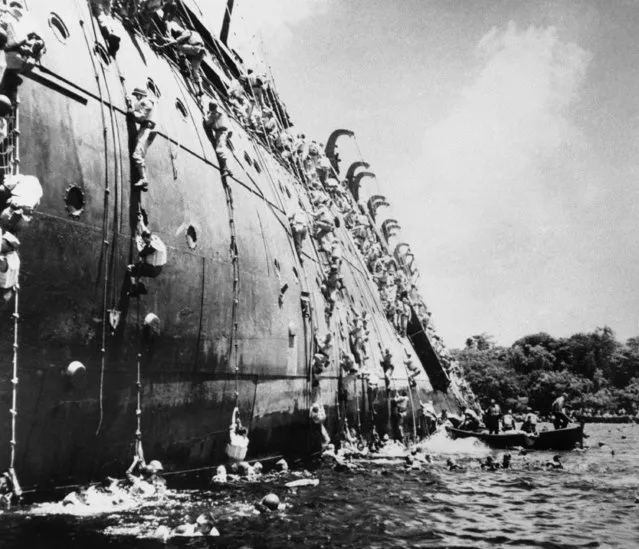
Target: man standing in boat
558	408
493	416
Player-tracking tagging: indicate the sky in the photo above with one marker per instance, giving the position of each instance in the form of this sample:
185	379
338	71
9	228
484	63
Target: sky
505	133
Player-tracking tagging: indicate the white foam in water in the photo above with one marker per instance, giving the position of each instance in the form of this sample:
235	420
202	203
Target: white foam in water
97	502
441	443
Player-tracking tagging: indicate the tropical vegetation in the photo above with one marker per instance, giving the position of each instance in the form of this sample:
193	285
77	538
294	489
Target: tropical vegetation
598	373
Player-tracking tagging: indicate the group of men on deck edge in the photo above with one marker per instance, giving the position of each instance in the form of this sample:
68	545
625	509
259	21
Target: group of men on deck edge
495	422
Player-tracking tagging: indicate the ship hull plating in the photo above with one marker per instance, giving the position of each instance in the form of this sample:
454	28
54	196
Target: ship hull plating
76	138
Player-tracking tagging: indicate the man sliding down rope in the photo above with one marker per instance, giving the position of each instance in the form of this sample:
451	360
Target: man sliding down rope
152	253
238	445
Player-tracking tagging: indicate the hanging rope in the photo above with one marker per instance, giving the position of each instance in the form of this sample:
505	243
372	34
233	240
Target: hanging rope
16	491
14	392
138	388
412	404
234	347
105	224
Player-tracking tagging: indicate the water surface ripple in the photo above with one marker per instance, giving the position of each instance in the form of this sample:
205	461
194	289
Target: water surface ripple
590	503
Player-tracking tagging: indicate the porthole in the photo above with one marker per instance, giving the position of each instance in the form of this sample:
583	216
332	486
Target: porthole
247	157
191	237
153	88
297	276
277	266
181	108
257	166
58	27
102	54
74	200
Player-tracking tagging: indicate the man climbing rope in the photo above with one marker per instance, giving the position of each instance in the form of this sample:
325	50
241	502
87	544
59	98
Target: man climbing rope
217	126
6	109
24	46
269	123
24	197
142	108
299	228
399	411
144	478
254	86
427	418
318	416
387	366
102	12
152	254
187	43
324	224
9	488
9	266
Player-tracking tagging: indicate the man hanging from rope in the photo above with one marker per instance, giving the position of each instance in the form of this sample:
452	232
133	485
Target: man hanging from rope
152	257
102	12
216	125
187	43
9	266
24	46
299	230
24	194
142	108
144	478
238	438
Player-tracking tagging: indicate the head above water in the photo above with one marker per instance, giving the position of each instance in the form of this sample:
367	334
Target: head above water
153	467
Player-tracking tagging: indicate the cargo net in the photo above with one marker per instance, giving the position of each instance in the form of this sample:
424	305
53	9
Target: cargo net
8	144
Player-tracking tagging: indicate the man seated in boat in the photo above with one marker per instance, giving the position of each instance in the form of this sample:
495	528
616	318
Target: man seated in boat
530	422
471	421
508	422
558	408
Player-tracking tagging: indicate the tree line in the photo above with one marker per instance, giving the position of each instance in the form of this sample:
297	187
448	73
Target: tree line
598	373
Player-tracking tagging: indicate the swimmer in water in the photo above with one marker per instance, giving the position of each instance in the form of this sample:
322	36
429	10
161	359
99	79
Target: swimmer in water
555	463
451	465
490	464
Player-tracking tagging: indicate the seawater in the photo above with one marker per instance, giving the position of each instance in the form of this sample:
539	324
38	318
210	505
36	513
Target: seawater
590	503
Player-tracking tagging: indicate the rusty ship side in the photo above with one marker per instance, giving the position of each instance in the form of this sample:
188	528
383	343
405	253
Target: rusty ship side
237	308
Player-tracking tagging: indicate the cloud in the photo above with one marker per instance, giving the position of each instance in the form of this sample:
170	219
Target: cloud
512	125
265	27
506	171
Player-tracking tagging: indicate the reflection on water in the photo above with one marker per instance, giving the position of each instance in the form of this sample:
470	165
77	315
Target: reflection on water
380	504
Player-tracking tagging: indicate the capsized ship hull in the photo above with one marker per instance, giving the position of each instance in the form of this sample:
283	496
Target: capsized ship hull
75	137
